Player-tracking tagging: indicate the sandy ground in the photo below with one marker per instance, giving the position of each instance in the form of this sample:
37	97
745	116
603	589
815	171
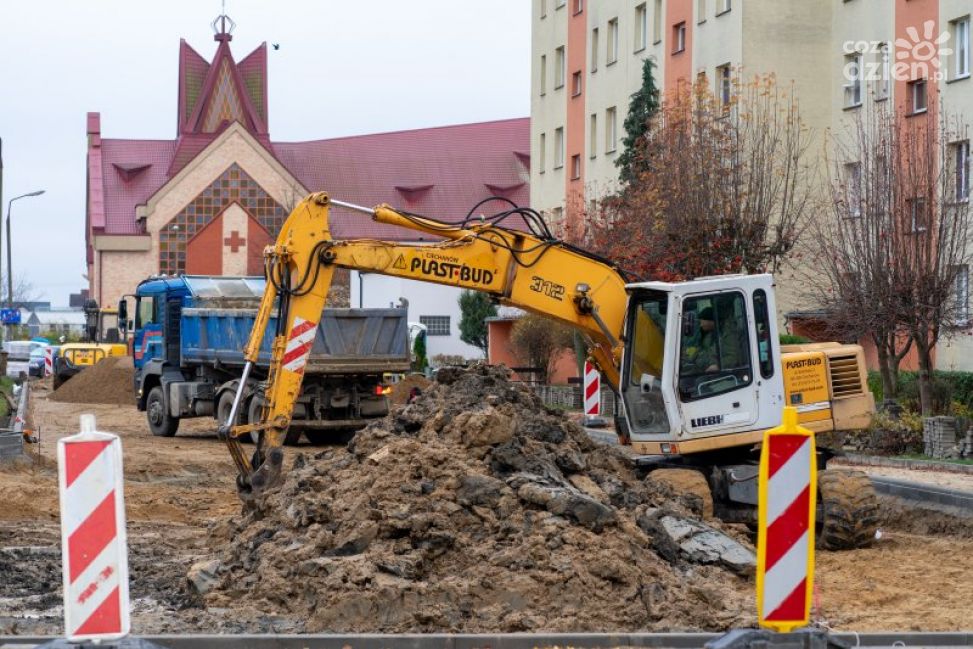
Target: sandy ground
916	577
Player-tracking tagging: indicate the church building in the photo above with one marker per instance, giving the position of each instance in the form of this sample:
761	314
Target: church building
209	200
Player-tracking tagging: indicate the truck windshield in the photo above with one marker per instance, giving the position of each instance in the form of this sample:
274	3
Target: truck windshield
642	388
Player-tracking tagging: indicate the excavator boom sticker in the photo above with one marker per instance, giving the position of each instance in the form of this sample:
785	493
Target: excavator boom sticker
299	345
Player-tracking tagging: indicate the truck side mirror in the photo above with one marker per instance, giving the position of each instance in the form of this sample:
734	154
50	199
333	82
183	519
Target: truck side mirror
123	310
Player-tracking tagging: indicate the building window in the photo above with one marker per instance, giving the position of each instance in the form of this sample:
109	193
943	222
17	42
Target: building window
576	84
961	47
559	147
576	166
853	188
724	85
657	24
559	3
593	135
700	11
962	161
611	130
543	74
578	6
853	80
917	209
961	295
641	27
678	37
543	8
594	49
558	213
543	156
882	87
612	54
436	325
917	96
723	6
559	67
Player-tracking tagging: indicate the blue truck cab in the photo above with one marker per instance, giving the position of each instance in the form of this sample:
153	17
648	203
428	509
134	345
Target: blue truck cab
189	333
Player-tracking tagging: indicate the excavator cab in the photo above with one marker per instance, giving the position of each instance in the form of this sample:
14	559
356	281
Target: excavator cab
700	365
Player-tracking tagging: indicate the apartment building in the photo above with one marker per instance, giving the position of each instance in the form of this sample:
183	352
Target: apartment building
587	61
840	55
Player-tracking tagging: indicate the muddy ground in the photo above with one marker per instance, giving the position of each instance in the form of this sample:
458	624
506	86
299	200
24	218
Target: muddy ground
180	493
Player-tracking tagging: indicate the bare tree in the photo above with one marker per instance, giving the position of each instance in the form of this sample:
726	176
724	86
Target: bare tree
722	186
931	244
852	279
540	341
895	240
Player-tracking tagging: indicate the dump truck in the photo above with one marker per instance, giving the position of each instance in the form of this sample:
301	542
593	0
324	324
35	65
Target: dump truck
188	334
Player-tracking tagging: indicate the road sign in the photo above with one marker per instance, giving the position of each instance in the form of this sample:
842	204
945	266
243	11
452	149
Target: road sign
592	390
93	543
785	535
10	316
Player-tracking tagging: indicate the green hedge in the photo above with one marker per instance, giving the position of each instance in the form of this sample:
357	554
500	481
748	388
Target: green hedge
948	388
790	339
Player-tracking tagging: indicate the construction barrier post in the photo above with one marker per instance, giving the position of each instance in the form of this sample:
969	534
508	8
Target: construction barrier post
93	543
785	535
48	361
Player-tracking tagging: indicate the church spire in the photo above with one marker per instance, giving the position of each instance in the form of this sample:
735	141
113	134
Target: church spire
223	27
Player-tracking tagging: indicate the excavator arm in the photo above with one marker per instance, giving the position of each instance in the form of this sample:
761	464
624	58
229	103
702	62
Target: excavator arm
530	270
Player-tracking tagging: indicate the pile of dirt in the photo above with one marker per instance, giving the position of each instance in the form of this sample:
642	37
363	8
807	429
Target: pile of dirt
108	381
477	509
402	389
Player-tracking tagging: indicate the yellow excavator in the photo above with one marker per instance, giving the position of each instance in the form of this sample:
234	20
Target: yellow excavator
103	337
697	364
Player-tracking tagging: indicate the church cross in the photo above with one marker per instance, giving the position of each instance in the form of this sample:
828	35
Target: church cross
234	241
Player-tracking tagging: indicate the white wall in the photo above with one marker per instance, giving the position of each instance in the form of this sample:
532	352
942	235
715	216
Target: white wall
382	291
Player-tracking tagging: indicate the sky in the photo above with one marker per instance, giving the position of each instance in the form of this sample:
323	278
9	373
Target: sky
343	68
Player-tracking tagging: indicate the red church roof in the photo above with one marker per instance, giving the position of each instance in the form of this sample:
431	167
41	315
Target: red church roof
441	172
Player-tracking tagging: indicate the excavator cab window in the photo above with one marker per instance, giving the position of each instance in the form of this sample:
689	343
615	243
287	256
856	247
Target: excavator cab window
714	354
643	398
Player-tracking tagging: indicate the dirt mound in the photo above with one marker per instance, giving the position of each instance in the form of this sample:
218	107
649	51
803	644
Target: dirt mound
402	389
474	509
107	381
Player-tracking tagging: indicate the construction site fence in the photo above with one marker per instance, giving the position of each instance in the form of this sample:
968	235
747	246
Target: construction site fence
570	397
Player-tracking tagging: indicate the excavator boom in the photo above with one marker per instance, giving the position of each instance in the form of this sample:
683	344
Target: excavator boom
530	270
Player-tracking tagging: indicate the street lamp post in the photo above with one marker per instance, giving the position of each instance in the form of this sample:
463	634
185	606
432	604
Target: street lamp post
10	282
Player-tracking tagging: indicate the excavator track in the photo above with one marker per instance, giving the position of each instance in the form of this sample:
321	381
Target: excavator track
848	510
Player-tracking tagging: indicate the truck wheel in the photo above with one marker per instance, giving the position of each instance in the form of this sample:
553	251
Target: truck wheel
292	437
848	510
223	408
253	415
161	423
686	481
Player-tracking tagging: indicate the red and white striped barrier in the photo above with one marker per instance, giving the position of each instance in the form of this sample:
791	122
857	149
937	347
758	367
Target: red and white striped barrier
48	361
785	536
93	545
592	390
299	344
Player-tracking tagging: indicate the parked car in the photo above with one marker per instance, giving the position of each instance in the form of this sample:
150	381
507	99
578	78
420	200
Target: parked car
18	355
36	362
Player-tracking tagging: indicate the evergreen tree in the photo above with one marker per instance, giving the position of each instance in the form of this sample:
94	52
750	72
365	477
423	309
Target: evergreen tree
475	308
419	360
644	104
